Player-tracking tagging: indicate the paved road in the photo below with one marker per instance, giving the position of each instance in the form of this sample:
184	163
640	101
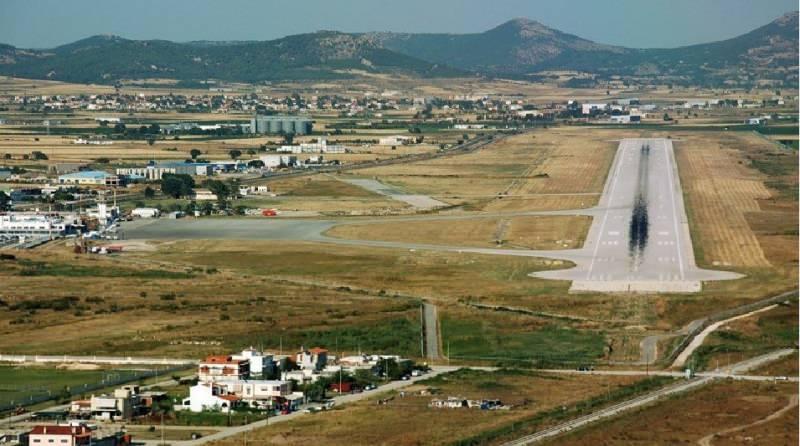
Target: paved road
644	400
431	331
698	340
344	399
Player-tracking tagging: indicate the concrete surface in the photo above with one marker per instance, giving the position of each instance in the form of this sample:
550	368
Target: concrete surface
431	331
415	200
654	256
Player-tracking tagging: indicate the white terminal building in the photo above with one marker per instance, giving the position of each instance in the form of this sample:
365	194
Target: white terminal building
34	224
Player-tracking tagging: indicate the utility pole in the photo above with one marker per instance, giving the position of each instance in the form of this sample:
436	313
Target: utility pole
162	429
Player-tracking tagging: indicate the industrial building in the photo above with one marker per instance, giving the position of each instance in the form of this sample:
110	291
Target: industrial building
280	124
155	172
90	178
314	147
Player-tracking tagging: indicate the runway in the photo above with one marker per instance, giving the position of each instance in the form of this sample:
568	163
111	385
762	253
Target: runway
639	240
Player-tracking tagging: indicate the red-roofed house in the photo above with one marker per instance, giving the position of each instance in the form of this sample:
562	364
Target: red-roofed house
59	436
223	368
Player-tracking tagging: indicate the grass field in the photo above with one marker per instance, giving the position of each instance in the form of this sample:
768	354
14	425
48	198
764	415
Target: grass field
170	313
518	341
540	232
407	420
688	418
519	173
18	383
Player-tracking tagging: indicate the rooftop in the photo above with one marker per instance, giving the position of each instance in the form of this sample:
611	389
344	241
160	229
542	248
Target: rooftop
87	174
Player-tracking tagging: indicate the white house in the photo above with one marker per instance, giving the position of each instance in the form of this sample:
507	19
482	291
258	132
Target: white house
587	109
303	376
223	368
209	396
312	359
118	406
259	362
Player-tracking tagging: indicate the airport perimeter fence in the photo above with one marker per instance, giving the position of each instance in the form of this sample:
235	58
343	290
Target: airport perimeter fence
120	378
727	314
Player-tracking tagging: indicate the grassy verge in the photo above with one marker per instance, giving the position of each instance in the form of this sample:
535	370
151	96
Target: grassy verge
34	268
749	337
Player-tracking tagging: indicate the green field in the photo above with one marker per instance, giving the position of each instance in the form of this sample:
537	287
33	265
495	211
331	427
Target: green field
549	345
19	383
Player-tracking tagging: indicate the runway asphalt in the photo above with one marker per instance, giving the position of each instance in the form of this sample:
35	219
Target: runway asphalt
639	239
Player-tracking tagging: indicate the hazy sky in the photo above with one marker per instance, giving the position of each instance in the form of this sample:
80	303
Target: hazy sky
632	23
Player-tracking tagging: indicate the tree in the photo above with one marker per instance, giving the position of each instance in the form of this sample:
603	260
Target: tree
7	156
195	153
5	201
256	164
288	138
219	188
149	192
235	153
207	208
37	155
316	391
119	128
151	141
176	185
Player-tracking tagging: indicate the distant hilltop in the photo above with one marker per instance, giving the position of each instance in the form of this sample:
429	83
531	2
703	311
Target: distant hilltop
520	48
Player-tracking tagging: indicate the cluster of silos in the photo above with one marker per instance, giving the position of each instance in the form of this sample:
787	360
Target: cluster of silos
275	124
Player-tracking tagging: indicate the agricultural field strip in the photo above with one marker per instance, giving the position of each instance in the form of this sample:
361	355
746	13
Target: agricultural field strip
643	400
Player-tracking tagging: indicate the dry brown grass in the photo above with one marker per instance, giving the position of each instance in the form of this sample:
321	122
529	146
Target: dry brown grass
142	316
408	421
722	191
540	232
690	417
547	169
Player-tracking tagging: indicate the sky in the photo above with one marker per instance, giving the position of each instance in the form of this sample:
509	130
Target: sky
631	23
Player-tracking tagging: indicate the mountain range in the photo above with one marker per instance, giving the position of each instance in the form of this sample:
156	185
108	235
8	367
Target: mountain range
519	48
